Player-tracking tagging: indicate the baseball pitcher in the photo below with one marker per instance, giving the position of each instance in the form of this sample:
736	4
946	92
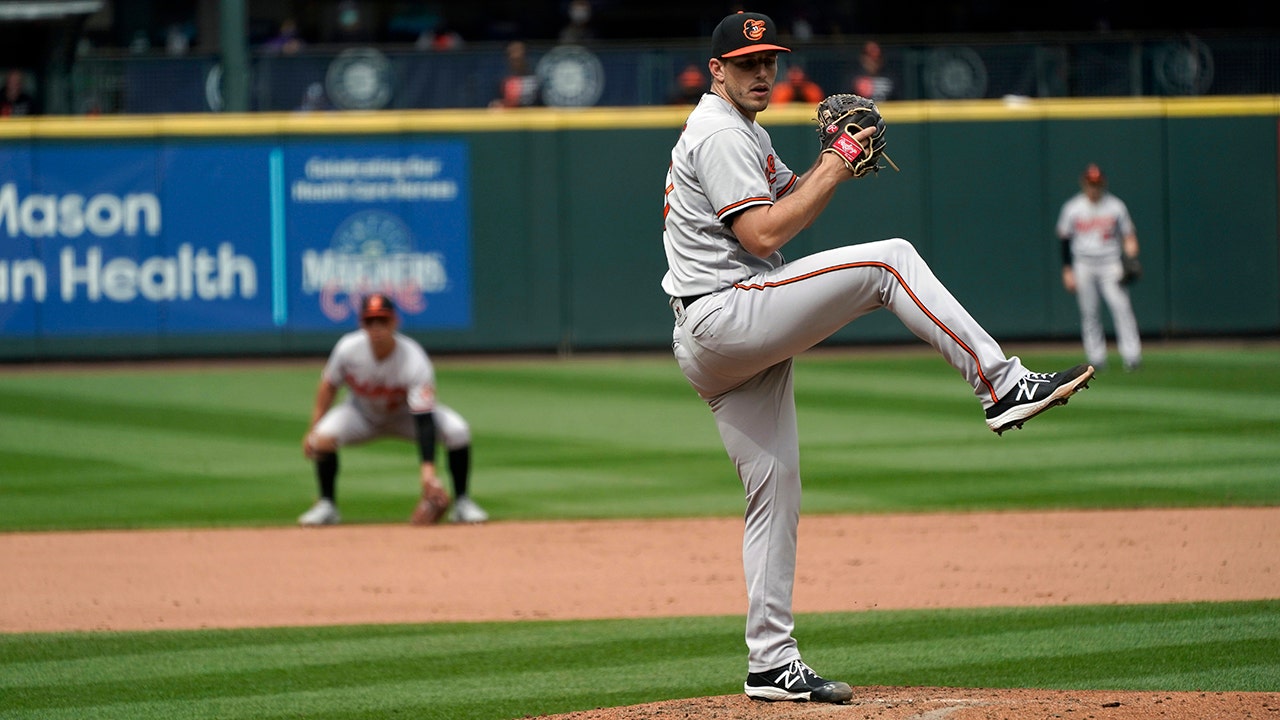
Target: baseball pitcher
742	313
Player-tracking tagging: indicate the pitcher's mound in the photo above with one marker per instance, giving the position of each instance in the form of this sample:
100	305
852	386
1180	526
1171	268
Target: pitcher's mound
928	703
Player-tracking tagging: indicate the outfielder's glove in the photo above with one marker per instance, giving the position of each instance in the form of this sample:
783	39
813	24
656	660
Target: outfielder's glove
839	118
432	507
1132	270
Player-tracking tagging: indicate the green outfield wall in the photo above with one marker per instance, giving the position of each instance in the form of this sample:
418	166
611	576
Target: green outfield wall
566	211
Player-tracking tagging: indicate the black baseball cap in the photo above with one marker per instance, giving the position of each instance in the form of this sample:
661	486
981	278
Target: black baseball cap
1093	175
377	305
745	32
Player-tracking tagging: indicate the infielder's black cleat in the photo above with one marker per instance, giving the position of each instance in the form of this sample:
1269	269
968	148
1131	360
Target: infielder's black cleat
796	681
1035	393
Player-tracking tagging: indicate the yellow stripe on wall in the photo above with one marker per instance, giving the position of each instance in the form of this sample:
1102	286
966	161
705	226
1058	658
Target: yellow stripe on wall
390	122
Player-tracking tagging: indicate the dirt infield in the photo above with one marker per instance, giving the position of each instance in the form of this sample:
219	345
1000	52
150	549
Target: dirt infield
624	569
925	703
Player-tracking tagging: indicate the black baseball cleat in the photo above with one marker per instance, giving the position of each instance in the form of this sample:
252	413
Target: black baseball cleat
795	681
1035	393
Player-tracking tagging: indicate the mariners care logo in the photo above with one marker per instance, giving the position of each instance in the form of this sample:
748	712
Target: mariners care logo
372	251
389	218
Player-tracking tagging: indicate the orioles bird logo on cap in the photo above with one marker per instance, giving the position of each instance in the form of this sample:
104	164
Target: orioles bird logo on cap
753	29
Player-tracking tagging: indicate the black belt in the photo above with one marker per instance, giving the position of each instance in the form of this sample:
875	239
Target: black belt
687	301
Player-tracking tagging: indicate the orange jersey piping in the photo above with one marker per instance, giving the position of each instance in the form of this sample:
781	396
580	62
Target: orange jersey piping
729	209
871	263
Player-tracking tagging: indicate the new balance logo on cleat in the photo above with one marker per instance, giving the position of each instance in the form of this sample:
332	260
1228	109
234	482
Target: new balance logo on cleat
797	682
1035	393
788	679
1027	386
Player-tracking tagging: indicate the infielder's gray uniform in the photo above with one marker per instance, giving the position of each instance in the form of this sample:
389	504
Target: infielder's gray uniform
740	320
1096	232
382	396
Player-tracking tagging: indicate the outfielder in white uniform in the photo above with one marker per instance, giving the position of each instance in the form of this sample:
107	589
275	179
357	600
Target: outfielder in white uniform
1096	231
391	387
742	314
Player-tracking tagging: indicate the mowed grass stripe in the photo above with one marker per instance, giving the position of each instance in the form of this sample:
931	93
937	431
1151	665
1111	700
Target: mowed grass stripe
588	418
261	389
510	670
134	415
525	664
507	646
913	388
1229	645
169	449
627	437
1050	450
617	378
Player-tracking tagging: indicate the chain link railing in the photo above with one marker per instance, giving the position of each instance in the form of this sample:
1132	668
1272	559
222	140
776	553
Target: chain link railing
623	74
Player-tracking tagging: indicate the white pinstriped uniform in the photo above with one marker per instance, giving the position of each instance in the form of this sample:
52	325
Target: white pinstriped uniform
383	395
736	344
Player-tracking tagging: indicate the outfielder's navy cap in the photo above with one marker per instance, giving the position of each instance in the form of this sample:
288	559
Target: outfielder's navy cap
377	305
744	32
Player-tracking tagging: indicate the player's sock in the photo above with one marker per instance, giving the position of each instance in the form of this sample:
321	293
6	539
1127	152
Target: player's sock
327	476
460	469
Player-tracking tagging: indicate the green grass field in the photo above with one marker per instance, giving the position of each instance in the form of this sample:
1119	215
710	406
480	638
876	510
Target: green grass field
194	445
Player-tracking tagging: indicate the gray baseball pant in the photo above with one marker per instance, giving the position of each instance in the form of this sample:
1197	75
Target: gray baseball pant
736	347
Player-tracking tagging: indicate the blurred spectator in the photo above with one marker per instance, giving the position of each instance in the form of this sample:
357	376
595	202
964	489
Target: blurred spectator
871	80
691	84
801	28
177	40
140	43
314	98
579	28
16	101
439	38
288	41
797	88
520	86
91	106
352	23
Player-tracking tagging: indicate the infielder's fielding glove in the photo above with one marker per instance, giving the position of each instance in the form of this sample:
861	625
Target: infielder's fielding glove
431	508
839	118
1132	270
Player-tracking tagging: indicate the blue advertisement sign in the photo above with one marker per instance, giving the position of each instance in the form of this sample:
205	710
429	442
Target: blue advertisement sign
23	278
230	237
391	217
217	227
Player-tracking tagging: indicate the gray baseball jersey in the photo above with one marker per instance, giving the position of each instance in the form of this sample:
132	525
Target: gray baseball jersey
382	396
1096	230
740	320
722	164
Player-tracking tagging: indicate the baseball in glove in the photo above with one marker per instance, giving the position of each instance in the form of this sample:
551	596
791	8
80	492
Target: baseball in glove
840	117
1132	270
432	507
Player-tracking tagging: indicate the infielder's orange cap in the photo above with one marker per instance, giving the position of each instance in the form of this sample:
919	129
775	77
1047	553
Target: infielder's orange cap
377	305
743	33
